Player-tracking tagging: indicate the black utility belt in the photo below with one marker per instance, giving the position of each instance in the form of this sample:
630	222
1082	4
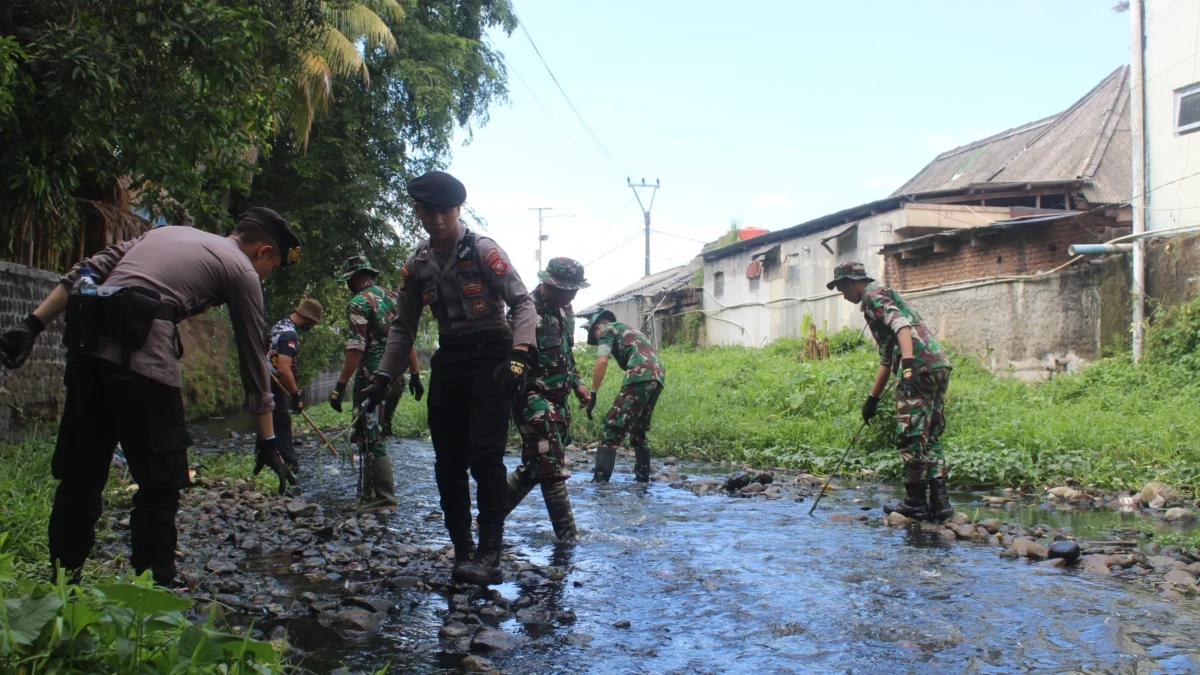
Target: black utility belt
125	314
498	338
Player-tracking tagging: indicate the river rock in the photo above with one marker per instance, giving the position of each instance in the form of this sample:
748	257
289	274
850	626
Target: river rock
477	664
1162	563
360	619
371	604
1159	495
491	640
841	518
1025	547
1052	563
737	481
1064	493
765	477
454	630
1179	515
753	489
992	525
219	566
622	624
1065	550
895	519
998	501
959	518
298	508
1180	577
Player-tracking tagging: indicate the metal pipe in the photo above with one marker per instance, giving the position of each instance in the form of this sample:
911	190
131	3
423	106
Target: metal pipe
1098	249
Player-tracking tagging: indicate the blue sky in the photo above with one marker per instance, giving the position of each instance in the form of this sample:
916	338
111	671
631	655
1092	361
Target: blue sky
768	112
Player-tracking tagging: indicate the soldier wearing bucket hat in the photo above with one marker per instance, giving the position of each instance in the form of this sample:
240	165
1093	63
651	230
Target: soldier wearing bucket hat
633	408
369	315
283	343
908	348
542	413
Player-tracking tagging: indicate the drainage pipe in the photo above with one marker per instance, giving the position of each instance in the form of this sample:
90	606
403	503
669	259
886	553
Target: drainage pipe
1098	249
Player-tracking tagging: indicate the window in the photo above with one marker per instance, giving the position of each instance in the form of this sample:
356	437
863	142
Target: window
1187	109
754	284
718	284
793	277
847	242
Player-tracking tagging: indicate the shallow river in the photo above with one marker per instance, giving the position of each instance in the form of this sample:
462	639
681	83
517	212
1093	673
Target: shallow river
725	585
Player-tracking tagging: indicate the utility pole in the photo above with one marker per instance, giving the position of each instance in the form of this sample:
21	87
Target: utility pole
645	209
541	237
1137	119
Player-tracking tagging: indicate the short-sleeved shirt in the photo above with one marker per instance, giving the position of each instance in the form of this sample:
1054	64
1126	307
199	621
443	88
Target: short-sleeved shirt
370	314
282	340
554	375
886	313
633	353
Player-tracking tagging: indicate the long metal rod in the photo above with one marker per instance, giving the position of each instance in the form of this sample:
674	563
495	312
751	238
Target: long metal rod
835	469
308	419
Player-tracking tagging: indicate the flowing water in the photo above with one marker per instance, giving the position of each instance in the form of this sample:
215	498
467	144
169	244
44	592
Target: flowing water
726	585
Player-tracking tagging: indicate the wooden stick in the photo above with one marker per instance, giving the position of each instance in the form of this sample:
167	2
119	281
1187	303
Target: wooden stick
308	419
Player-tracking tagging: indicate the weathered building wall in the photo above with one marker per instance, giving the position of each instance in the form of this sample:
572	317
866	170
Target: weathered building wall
1023	249
1171	63
1031	327
1172	270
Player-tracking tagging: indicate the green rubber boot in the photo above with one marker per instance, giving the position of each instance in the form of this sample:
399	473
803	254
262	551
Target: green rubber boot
520	483
384	482
558	505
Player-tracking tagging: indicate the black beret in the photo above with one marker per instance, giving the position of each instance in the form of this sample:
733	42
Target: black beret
438	188
280	231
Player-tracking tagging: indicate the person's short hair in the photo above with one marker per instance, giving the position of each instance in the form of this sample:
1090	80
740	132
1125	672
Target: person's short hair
250	232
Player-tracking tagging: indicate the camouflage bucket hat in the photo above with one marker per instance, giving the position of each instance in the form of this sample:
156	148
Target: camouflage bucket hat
355	263
602	314
564	273
310	309
849	270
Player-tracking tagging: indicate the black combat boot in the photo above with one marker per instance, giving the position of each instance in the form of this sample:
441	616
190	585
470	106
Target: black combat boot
484	568
641	465
939	500
464	550
520	483
914	505
558	505
606	459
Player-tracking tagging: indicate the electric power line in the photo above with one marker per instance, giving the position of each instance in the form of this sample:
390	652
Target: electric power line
613	249
679	236
556	123
591	134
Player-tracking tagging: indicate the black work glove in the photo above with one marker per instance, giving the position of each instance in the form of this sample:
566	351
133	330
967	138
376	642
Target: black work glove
511	374
266	454
907	386
870	407
298	400
16	343
374	394
335	399
415	386
591	404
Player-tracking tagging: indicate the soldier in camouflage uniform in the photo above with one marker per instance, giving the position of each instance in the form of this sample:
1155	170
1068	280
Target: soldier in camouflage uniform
909	349
634	406
369	314
542	414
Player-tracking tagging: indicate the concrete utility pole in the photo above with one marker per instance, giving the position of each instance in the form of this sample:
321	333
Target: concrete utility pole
645	209
1137	126
541	237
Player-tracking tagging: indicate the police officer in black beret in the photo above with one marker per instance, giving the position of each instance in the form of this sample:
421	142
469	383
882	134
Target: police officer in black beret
123	374
467	281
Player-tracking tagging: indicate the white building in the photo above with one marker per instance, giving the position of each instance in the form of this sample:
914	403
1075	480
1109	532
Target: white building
1172	112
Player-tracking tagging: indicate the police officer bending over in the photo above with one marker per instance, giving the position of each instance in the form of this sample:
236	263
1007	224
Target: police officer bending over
123	377
478	369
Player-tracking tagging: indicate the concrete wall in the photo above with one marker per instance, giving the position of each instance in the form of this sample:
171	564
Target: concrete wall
1171	62
32	396
793	287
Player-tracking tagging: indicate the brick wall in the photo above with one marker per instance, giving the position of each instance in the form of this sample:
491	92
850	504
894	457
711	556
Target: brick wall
31	397
1024	249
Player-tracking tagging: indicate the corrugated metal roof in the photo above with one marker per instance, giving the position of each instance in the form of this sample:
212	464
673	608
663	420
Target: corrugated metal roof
998	226
660	282
1089	141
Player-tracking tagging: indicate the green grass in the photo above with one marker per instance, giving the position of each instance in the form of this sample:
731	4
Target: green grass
1113	425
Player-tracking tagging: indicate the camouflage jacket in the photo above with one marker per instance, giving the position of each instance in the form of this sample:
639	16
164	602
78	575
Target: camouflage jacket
282	340
633	353
554	375
886	312
370	314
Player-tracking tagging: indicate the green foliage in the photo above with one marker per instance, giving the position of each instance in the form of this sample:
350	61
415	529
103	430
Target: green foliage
175	95
10	55
1112	425
1175	336
27	491
118	628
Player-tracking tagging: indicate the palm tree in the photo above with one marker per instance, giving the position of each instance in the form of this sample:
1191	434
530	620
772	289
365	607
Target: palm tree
336	54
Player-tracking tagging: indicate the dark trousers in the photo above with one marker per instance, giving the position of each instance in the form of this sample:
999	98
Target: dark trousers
468	423
281	419
106	406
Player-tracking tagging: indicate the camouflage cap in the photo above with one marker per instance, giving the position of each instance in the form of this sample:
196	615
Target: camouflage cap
849	270
310	309
602	314
564	273
355	263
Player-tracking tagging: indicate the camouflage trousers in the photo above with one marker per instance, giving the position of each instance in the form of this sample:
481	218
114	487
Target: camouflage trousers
919	426
370	436
545	427
630	414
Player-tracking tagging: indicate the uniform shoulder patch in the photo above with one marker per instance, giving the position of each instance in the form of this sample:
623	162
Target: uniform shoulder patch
404	277
494	260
